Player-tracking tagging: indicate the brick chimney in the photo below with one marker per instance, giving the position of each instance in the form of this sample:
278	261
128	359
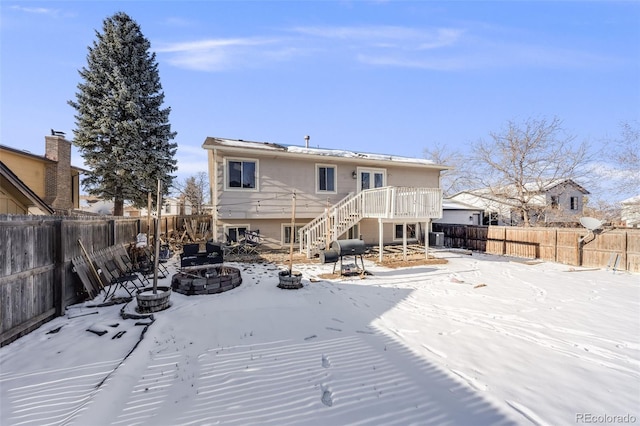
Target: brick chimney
58	187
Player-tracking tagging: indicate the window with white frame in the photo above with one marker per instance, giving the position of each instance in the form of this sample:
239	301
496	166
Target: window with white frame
325	178
574	203
555	201
371	178
286	233
411	231
234	233
242	174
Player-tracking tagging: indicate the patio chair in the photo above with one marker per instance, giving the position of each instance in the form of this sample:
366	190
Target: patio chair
215	252
230	247
189	255
165	253
250	242
118	279
162	270
125	265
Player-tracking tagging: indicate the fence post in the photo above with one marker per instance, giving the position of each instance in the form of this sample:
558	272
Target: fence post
466	237
504	240
112	232
59	273
625	250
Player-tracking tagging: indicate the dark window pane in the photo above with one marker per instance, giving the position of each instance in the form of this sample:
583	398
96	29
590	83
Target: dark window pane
378	180
326	179
331	180
322	178
364	180
235	174
249	174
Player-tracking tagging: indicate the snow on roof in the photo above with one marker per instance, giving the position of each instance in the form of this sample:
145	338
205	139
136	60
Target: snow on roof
359	155
632	200
456	205
239	143
531	187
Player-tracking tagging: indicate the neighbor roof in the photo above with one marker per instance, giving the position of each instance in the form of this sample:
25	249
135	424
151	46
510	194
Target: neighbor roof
25	192
448	204
38	157
240	145
538	187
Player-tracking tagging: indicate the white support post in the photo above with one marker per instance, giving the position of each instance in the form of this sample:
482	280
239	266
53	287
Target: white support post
392	196
327	236
426	239
380	235
404	241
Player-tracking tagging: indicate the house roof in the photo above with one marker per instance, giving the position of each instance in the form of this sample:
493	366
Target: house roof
448	204
532	188
631	201
485	195
241	146
37	157
22	191
548	184
27	154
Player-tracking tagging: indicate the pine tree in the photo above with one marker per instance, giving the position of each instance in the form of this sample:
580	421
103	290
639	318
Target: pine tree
123	133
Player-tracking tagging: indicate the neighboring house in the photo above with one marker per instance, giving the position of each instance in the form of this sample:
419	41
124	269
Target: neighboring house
338	194
455	212
93	205
34	184
631	211
550	202
18	198
176	206
171	206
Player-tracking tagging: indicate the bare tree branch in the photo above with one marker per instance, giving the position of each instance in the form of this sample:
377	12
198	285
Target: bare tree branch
520	162
195	190
625	152
455	179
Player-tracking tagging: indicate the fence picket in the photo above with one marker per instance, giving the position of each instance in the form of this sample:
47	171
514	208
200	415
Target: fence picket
37	282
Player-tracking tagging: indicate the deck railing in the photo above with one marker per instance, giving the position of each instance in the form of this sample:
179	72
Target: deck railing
390	202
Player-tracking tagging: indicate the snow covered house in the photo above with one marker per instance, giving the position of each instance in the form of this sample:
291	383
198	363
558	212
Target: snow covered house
550	201
176	206
630	211
338	194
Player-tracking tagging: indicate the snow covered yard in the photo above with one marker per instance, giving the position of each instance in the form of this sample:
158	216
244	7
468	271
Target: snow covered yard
480	340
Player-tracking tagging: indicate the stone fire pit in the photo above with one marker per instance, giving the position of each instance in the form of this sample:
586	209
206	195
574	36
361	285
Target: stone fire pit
209	280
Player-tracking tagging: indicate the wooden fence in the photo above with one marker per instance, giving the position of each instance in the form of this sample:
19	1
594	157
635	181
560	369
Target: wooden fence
462	236
571	246
36	278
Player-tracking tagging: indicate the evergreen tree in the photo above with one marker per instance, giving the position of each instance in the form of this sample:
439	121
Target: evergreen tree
122	131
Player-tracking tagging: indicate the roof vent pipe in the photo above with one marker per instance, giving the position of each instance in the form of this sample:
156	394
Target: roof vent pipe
306	141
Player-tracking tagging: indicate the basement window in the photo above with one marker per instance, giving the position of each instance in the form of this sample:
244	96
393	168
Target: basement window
411	231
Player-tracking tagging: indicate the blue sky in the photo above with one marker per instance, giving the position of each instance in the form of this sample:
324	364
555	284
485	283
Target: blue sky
389	77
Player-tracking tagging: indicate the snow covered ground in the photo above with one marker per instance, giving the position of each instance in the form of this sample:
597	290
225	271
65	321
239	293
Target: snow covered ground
536	344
